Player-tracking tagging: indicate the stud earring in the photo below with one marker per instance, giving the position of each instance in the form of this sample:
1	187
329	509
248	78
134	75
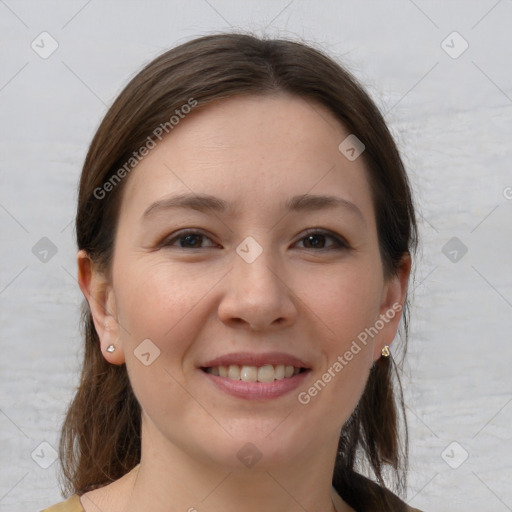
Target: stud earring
385	351
111	348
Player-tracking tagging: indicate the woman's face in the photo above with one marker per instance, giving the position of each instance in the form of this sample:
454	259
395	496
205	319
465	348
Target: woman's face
276	277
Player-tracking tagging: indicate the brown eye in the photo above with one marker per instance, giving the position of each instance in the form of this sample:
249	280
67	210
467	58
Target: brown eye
316	239
187	239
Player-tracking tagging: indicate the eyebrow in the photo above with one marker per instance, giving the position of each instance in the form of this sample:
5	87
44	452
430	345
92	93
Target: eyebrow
206	202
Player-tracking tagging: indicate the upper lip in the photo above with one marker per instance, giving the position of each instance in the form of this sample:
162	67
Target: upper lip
251	359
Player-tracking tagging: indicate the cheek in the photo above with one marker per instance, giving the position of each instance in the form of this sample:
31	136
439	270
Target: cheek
159	299
343	304
345	300
160	304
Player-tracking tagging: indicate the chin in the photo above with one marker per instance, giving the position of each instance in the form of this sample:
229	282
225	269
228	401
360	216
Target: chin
251	447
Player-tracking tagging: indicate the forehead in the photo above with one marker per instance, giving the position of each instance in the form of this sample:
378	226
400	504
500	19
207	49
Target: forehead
250	150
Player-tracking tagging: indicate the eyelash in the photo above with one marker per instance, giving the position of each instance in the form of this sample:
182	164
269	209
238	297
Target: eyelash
340	243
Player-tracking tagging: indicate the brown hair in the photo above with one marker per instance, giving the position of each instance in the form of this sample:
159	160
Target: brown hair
100	439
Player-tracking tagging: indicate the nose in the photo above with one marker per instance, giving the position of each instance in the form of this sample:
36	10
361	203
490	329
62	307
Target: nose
258	295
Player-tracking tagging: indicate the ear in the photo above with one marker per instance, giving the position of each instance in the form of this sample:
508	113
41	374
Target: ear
392	305
100	296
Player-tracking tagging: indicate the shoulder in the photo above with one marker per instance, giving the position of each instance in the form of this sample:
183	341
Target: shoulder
365	495
397	504
72	504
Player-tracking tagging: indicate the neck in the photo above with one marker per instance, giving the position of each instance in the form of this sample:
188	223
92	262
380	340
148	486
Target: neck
169	479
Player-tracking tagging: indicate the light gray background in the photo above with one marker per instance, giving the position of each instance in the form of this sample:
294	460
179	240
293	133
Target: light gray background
452	120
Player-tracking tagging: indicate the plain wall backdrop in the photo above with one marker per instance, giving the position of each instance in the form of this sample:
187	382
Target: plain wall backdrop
441	73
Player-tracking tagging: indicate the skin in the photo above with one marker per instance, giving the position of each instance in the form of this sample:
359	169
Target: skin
199	303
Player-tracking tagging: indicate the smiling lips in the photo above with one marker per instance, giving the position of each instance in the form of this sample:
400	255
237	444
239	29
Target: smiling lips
247	373
264	369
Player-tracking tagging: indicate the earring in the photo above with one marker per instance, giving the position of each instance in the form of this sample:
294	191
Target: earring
385	351
111	348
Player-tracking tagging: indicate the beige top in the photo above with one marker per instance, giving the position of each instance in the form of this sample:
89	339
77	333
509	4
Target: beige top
73	505
70	505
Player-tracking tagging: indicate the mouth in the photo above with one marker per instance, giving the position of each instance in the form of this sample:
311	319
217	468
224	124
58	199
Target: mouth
255	376
249	373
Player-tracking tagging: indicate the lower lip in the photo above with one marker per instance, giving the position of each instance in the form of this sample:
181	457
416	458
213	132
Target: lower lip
257	390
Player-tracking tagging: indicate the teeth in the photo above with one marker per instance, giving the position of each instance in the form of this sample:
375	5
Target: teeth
234	372
280	371
265	373
249	373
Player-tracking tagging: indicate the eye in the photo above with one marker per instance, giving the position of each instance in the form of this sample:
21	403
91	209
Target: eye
187	238
316	239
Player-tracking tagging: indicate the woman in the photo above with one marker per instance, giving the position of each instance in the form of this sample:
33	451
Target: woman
245	229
